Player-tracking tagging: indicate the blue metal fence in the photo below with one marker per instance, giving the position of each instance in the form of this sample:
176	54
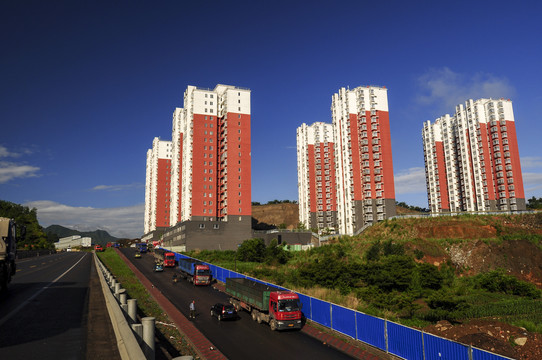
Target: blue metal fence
437	348
371	330
402	341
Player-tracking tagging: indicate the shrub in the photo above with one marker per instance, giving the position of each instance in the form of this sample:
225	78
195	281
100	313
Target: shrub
498	281
430	276
251	250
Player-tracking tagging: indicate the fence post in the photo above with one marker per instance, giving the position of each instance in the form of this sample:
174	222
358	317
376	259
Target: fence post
148	337
470	352
331	315
386	333
423	346
356	324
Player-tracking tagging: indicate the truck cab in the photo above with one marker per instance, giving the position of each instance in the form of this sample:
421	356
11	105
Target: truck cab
202	275
285	308
169	259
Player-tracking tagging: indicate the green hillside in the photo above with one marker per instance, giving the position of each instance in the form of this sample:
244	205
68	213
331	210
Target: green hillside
101	237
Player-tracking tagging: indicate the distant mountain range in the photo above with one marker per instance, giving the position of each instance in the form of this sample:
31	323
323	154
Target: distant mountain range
101	237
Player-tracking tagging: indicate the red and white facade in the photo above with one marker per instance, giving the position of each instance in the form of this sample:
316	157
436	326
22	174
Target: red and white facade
361	187
472	159
316	176
364	165
211	155
157	186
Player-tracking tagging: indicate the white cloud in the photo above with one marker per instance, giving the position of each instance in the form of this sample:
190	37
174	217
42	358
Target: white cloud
15	170
119	222
532	183
4	152
411	180
10	171
531	162
446	89
116	187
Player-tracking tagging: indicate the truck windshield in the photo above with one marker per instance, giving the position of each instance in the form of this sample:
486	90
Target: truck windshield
170	257
289	305
203	272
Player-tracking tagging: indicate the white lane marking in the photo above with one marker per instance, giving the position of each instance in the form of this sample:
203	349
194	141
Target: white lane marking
5	318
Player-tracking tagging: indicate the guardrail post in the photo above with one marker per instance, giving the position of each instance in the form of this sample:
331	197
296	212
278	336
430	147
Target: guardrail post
148	337
123	296
117	290
138	330
132	309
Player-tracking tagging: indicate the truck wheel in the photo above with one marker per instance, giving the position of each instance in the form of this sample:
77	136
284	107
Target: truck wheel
254	314
273	324
259	318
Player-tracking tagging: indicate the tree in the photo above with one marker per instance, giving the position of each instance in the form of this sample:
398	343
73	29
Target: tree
534	203
251	250
28	219
276	253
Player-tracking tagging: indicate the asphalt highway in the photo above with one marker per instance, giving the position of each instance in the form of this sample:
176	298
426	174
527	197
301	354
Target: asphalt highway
44	315
237	339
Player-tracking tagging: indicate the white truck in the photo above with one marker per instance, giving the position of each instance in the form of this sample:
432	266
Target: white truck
8	252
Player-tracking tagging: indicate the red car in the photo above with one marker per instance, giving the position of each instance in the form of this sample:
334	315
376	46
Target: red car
98	248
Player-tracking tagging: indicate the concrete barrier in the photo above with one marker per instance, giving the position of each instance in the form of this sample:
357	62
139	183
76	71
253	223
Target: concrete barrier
126	340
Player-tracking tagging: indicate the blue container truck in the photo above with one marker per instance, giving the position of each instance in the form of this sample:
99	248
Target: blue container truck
195	271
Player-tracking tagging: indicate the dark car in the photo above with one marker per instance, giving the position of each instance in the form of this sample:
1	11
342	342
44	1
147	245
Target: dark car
223	311
158	267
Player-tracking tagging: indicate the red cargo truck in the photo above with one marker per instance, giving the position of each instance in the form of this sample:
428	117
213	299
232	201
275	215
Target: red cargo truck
281	309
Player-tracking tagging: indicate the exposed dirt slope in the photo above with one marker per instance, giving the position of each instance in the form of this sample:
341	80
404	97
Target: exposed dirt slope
475	244
276	214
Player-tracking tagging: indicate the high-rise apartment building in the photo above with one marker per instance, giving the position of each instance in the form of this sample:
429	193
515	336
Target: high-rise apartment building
211	168
472	159
364	190
211	155
157	186
364	165
316	176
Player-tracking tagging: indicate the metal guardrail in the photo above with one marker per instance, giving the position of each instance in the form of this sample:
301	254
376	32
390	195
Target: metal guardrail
135	341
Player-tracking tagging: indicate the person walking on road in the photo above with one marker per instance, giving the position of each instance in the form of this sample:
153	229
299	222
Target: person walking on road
193	309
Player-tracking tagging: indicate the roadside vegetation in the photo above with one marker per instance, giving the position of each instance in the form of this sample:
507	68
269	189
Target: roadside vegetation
167	335
382	272
35	237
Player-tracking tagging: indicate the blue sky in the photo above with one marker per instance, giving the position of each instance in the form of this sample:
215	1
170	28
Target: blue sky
86	86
